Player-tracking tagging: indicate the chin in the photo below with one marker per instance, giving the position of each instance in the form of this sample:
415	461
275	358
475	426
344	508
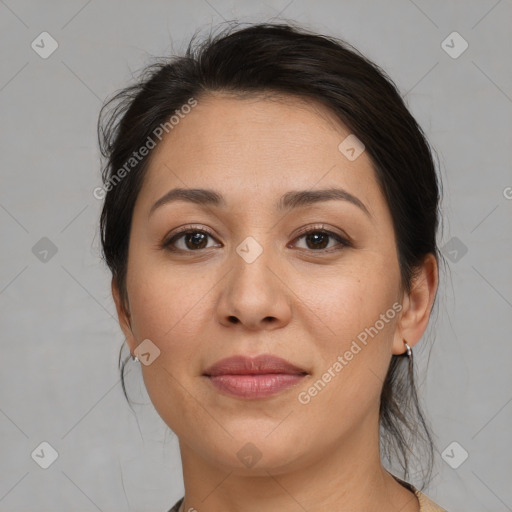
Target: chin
254	452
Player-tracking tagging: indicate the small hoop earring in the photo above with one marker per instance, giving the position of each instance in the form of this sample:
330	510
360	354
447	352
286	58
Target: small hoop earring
409	351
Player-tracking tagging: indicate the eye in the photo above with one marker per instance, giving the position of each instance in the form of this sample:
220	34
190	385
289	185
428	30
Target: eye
318	239
190	239
194	239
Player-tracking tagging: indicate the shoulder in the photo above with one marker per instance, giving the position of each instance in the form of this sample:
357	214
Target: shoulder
426	504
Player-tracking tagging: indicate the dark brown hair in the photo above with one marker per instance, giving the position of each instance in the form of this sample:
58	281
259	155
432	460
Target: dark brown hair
286	59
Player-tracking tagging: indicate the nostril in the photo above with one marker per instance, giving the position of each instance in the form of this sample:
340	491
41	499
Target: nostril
233	319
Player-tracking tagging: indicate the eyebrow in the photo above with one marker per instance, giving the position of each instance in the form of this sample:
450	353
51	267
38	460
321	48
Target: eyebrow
289	200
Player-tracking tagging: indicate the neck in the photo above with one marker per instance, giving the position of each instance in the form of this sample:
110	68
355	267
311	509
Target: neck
347	477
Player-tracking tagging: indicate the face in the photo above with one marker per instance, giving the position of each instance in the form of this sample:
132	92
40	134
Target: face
311	279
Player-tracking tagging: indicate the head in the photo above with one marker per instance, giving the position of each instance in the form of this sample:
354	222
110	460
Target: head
302	224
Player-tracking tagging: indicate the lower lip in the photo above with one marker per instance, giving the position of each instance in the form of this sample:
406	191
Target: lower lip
255	386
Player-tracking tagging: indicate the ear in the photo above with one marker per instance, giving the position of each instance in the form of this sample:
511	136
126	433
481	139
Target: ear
123	316
417	305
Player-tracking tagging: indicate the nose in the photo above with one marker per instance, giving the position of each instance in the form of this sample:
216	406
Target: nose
254	294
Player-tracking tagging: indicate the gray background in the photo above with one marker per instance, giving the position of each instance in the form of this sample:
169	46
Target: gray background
60	339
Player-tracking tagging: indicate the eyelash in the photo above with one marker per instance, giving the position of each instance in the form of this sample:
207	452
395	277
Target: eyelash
168	244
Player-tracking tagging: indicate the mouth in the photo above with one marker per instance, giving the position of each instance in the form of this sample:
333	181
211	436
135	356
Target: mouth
253	378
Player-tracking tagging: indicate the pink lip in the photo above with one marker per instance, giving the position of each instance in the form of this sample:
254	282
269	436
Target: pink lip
251	378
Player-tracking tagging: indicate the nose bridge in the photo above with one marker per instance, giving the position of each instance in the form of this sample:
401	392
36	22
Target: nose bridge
253	294
251	261
255	234
250	249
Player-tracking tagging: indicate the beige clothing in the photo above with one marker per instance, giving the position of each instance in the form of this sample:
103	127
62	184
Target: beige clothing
426	504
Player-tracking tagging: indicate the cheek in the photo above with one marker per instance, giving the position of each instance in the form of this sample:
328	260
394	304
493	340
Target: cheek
352	297
358	310
167	307
354	353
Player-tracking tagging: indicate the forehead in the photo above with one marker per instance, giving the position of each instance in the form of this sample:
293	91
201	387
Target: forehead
267	143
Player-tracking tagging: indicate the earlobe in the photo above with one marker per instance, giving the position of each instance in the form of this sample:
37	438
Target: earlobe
417	306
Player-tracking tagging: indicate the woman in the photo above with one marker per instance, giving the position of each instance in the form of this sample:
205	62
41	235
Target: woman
270	219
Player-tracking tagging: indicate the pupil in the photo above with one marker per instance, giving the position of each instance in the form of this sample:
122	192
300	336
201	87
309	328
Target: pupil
315	237
196	239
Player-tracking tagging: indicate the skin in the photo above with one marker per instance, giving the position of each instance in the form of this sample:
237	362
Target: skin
295	301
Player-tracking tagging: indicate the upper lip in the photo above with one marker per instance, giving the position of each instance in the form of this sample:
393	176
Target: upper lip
261	364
